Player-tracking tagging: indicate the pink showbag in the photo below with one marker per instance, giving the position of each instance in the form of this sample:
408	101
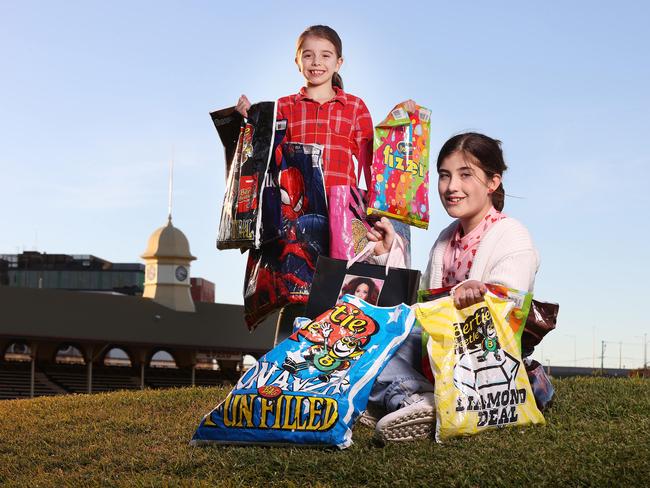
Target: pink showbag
347	220
349	224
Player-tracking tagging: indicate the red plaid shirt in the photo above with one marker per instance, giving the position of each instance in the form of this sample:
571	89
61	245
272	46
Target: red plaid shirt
341	125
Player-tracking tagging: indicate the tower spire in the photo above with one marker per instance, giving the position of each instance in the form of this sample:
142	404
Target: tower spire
171	186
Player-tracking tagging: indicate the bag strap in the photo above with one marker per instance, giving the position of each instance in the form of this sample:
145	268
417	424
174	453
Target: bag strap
370	247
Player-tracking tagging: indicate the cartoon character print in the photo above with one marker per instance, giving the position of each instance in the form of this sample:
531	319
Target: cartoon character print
327	358
247	143
490	343
337	340
348	320
476	370
263	287
294	206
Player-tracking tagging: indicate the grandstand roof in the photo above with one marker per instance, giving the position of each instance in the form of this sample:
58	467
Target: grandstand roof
88	316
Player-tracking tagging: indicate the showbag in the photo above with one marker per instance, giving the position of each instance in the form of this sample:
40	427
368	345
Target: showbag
282	270
349	223
305	233
400	169
347	219
247	159
475	355
379	285
264	288
311	388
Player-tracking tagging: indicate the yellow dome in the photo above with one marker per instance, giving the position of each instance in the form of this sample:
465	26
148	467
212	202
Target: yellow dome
168	242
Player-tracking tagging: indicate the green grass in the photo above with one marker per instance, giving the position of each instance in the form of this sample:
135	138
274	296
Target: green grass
598	434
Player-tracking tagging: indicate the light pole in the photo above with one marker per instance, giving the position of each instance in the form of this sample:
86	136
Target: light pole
620	355
644	346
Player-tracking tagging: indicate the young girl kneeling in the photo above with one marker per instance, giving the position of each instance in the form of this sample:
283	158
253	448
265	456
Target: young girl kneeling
481	246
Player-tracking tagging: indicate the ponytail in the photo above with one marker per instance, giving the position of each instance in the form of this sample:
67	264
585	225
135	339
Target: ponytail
499	197
337	81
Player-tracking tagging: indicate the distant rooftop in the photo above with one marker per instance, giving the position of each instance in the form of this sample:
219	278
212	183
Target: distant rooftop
34	260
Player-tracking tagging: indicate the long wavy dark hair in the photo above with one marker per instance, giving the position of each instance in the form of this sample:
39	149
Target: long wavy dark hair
329	34
487	153
353	284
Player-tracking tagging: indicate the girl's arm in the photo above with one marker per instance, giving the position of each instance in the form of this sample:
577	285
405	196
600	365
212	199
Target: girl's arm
516	271
362	135
507	256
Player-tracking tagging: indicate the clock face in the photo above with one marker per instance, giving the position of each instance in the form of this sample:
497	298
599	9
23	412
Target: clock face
181	273
151	272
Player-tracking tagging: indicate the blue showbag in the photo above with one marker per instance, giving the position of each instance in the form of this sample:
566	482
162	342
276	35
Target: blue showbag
311	388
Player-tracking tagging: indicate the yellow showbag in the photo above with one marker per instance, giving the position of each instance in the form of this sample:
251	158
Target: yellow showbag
475	357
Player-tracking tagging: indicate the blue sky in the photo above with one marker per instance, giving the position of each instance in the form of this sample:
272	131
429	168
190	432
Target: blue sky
95	97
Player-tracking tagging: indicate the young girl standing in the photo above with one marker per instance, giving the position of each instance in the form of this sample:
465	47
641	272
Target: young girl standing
322	113
481	246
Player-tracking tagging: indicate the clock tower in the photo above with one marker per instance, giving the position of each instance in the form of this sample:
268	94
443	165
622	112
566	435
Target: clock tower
167	271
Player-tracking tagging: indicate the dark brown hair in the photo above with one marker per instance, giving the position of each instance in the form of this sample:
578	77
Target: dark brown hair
354	283
329	34
486	151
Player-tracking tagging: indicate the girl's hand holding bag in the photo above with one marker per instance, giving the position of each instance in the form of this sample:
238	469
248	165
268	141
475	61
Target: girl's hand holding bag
348	223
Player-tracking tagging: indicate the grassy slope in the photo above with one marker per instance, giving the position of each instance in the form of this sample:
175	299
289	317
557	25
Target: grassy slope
598	433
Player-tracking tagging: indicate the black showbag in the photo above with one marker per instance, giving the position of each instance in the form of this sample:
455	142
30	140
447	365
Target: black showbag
379	285
248	148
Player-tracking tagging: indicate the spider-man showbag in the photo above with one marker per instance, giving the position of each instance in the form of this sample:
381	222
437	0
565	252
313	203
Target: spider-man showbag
400	167
475	356
282	271
311	388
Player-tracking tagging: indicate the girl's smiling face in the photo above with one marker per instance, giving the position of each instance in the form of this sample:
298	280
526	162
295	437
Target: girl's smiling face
362	291
465	190
318	61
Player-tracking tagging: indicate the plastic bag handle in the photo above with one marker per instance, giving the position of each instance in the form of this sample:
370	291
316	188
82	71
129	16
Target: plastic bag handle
366	250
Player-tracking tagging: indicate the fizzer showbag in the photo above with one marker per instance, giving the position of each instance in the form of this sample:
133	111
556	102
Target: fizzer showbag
312	386
475	356
400	168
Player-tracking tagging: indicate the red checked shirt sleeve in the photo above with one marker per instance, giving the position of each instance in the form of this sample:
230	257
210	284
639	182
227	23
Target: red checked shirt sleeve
341	125
363	138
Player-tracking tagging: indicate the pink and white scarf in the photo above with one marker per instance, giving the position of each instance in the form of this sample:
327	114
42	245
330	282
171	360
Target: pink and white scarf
461	250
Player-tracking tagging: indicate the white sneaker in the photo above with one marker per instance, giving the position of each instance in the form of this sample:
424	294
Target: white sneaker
415	420
367	419
372	414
